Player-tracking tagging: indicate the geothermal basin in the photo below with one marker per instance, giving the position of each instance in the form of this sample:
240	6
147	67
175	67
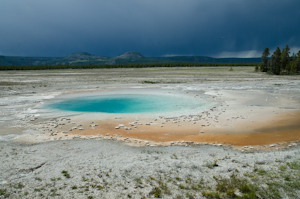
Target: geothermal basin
162	116
199	105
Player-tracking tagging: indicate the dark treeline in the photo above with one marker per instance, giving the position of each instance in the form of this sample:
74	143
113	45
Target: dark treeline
280	63
91	66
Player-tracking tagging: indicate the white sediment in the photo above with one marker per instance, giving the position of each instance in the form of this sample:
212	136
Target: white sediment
39	166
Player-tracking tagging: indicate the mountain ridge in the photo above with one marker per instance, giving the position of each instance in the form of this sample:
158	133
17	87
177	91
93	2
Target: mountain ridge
130	57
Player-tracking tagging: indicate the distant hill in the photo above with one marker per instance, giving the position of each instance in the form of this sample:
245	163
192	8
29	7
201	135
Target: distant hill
128	56
80	58
84	58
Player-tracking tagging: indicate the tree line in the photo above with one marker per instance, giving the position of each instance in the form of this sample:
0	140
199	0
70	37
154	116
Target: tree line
92	66
280	63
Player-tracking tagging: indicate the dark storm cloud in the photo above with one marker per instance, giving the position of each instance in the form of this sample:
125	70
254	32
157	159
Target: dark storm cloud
152	27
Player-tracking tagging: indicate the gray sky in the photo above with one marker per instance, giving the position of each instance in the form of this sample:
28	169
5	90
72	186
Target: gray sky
218	28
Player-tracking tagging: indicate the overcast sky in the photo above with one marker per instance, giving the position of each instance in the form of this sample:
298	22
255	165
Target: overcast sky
218	28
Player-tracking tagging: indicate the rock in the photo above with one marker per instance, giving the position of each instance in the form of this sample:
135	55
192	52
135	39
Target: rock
272	145
238	193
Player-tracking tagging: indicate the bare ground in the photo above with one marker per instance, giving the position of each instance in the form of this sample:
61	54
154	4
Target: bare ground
255	111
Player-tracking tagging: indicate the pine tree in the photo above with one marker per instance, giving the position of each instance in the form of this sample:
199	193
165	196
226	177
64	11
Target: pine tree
271	64
277	57
285	57
297	62
291	66
265	54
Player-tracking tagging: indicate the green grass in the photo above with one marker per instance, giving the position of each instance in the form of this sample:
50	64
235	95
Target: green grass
74	187
211	164
150	82
3	192
66	174
210	194
156	192
283	180
229	186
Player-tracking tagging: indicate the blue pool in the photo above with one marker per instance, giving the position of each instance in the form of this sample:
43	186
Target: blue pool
129	103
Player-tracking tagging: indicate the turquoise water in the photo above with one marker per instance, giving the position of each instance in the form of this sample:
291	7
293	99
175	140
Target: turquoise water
129	104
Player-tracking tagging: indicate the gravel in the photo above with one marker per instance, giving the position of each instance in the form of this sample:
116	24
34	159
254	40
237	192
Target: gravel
111	169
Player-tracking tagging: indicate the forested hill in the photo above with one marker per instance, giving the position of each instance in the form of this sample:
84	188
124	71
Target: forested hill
83	58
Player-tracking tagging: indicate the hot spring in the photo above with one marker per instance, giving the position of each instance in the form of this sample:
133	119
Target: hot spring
131	103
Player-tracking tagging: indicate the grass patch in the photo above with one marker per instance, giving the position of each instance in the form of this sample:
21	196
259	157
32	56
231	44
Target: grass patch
211	194
66	174
74	187
150	82
38	179
18	186
261	171
211	165
235	187
156	192
174	156
295	165
3	192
